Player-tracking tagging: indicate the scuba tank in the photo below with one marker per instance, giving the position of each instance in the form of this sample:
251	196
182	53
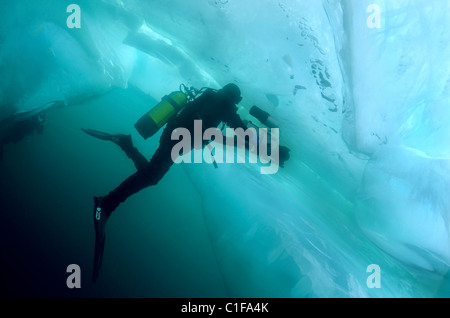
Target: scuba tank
170	106
158	116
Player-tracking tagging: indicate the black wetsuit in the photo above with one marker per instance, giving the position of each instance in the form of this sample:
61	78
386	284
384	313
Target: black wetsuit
211	107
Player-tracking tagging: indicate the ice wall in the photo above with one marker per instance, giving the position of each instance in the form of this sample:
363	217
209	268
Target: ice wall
46	61
398	78
364	110
399	75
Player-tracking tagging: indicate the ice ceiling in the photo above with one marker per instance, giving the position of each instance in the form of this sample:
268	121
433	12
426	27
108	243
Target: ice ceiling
364	110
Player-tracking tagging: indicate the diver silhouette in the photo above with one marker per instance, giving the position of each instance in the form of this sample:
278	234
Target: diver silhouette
13	131
212	107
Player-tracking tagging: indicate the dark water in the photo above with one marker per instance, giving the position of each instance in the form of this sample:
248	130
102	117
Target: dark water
157	243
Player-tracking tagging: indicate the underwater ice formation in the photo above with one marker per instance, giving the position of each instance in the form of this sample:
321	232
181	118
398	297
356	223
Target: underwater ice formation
364	110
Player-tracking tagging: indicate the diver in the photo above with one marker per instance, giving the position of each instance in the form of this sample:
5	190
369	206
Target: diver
212	107
13	131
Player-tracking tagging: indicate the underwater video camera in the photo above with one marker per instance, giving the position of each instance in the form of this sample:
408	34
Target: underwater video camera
264	117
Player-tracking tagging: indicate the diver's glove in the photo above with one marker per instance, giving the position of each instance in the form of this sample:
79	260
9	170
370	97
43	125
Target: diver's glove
283	154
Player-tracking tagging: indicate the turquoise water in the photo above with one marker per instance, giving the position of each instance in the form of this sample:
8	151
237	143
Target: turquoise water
350	196
175	240
157	246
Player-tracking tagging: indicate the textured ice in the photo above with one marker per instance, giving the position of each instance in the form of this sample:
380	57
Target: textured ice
365	112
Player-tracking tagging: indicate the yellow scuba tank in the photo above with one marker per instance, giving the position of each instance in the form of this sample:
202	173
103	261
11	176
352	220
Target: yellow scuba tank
158	116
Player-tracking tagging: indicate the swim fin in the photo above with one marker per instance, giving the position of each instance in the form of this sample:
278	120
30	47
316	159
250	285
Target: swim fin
121	140
100	219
